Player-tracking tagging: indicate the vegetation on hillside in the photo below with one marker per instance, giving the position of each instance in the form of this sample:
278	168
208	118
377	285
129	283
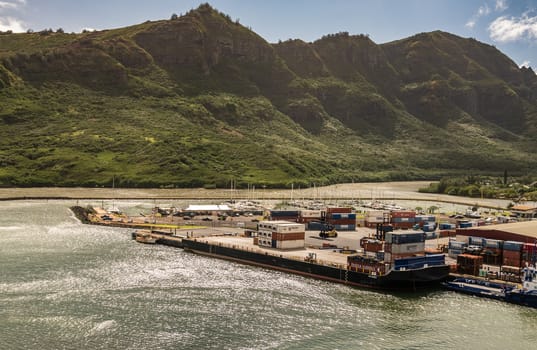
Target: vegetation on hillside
518	189
200	100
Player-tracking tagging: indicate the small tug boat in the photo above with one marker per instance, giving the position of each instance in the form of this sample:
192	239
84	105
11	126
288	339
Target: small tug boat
527	295
144	236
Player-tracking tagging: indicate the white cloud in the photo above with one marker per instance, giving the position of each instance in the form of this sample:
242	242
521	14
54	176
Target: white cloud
525	64
483	10
13	24
501	5
11	4
507	29
471	23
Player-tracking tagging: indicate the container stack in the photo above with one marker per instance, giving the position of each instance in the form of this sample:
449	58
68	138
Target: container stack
374	217
418	262
469	264
492	251
307	216
512	253
403	244
371	245
425	220
510	273
281	235
465	224
343	219
365	264
447	229
360	219
446	226
455	248
284	215
403	219
529	254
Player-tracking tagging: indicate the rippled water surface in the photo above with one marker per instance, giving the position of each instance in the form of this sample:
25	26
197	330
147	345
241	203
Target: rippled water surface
64	285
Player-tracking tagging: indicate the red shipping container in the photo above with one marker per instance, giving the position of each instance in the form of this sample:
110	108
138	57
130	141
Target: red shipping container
447	233
512	254
339	210
372	246
293	236
492	251
397	225
403	214
530	248
512	262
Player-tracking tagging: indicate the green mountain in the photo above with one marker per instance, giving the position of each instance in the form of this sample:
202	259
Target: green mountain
200	100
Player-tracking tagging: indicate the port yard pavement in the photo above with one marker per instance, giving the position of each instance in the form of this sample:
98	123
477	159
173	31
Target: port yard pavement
326	256
382	190
346	239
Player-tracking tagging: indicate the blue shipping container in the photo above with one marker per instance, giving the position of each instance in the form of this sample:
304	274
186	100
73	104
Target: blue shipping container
492	243
403	220
446	226
276	213
456	244
425	218
513	246
345	227
476	241
315	226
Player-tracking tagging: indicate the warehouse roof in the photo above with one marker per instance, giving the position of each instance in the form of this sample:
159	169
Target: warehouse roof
525	228
521	207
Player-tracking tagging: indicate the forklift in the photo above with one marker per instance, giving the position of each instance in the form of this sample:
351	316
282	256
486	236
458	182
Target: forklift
327	230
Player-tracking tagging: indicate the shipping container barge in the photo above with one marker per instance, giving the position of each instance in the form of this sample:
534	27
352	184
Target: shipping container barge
408	273
526	295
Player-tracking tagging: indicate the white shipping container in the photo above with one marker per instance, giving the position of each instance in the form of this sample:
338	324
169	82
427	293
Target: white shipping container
376	219
411	248
281	226
376	213
491	268
290	244
264	242
310	213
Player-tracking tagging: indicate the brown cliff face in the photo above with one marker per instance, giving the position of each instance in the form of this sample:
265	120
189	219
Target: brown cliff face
87	66
302	59
207	44
6	77
442	73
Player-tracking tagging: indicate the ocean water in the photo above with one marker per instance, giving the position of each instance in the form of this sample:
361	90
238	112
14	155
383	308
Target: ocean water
64	285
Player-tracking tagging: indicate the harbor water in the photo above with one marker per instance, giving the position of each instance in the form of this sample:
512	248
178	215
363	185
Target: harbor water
65	285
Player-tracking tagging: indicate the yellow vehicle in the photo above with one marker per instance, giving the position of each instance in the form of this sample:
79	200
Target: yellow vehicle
328	231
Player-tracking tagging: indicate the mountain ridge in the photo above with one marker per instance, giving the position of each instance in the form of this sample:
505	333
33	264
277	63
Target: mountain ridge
199	100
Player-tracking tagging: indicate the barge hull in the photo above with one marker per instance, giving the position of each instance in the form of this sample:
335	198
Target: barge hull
394	280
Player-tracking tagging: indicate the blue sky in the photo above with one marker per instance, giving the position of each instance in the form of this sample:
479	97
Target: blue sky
510	25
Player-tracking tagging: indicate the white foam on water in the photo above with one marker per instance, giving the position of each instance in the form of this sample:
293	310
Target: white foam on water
104	326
